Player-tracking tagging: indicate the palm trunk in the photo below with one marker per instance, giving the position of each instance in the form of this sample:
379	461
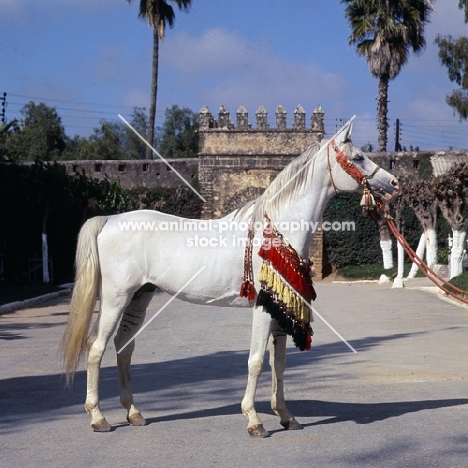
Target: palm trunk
154	93
382	110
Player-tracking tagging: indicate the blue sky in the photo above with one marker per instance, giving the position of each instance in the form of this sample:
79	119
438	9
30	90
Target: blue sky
91	60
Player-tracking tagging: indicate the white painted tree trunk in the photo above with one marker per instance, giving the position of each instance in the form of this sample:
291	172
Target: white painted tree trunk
431	247
398	281
420	253
457	252
45	259
386	246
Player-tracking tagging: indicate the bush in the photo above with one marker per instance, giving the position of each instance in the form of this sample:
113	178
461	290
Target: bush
362	246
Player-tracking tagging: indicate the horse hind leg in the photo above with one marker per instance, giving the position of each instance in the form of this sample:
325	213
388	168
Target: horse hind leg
109	315
130	324
278	366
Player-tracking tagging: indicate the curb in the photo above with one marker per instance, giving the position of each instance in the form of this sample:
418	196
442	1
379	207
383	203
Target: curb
13	306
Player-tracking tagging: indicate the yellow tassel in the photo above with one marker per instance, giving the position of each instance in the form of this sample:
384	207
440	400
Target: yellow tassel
270	278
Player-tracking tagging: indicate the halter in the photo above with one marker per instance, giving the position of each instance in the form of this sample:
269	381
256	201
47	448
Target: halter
367	201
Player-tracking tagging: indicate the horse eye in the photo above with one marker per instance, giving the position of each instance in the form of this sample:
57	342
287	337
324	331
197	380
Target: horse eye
358	158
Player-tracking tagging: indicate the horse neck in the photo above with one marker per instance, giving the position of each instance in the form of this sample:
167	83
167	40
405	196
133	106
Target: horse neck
307	207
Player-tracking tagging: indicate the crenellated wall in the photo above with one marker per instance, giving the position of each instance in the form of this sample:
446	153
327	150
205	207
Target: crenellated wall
237	162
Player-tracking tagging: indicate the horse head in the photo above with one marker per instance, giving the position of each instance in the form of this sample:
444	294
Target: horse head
352	171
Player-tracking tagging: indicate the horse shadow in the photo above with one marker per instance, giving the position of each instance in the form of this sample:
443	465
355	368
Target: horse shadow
327	412
27	397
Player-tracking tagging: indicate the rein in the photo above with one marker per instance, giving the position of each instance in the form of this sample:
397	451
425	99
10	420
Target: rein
368	202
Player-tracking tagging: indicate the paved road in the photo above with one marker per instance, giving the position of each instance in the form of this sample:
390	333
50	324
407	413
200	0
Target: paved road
401	401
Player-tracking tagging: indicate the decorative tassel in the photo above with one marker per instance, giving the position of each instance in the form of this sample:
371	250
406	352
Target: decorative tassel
287	286
247	288
367	200
250	292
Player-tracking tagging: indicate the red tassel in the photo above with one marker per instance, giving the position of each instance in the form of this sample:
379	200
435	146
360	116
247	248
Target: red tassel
243	288
247	290
251	292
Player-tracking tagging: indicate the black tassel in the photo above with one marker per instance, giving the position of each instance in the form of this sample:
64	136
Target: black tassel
261	298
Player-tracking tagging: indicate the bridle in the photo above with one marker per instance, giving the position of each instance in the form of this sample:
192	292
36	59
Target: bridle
367	201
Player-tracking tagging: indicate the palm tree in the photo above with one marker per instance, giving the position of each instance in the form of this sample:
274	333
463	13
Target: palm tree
383	32
158	13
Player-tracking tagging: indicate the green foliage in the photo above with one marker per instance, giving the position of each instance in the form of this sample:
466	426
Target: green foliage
463	4
362	246
42	195
178	138
41	138
371	272
384	32
461	281
46	184
6	130
357	247
179	202
367	148
113	140
425	167
114	197
453	53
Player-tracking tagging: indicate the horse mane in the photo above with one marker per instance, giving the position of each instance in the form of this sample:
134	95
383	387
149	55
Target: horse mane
285	186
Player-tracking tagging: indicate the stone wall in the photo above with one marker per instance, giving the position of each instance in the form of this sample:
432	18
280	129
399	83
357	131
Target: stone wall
237	162
406	164
138	173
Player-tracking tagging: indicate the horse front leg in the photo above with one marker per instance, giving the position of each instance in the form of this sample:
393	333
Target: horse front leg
132	321
278	366
260	332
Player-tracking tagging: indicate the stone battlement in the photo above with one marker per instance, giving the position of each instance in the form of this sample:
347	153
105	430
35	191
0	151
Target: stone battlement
224	122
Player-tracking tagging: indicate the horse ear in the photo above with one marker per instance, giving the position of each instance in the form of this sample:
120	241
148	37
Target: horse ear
349	130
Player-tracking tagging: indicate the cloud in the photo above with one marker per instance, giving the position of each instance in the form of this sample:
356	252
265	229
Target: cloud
226	69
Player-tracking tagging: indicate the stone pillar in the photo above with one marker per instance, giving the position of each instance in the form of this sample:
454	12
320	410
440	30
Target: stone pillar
205	119
299	118
280	118
223	117
262	121
317	120
242	118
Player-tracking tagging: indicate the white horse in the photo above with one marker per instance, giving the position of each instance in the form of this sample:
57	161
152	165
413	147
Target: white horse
124	257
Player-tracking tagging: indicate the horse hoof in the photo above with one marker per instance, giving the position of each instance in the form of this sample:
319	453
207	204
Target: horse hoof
258	431
101	426
136	420
292	425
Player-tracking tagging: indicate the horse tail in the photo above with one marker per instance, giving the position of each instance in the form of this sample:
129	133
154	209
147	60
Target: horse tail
87	282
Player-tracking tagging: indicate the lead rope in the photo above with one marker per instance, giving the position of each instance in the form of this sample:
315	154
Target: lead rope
426	270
